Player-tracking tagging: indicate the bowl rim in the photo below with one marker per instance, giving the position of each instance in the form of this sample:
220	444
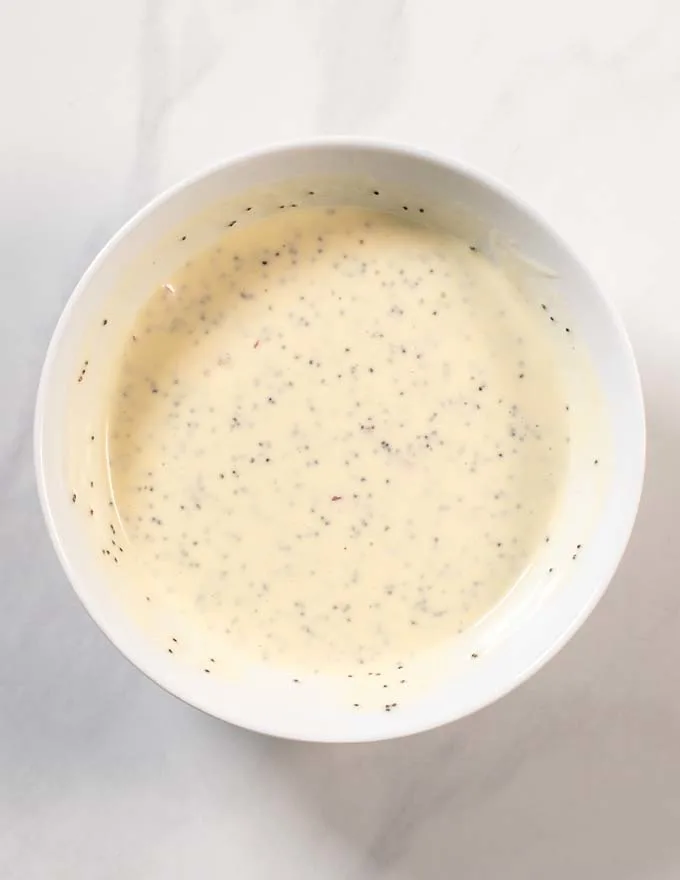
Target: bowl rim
407	724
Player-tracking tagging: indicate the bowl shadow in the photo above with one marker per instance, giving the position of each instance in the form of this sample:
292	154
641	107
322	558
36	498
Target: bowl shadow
576	772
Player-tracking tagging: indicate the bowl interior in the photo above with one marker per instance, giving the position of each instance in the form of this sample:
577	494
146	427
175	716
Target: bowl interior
565	578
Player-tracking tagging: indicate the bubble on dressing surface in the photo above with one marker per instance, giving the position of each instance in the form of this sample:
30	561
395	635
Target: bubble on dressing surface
336	440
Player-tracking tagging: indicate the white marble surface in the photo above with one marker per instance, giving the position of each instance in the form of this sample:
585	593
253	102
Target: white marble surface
577	105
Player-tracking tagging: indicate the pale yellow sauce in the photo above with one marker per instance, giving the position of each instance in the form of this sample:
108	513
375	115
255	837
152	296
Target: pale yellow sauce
336	439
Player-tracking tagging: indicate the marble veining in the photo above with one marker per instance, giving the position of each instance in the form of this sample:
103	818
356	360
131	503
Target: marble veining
576	774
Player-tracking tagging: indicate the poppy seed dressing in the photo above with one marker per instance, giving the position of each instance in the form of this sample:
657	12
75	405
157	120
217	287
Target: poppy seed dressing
335	439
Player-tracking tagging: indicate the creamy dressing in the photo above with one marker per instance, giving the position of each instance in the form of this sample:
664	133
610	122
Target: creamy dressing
336	438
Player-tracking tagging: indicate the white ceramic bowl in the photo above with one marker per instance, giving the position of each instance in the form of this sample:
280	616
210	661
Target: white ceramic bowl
556	595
